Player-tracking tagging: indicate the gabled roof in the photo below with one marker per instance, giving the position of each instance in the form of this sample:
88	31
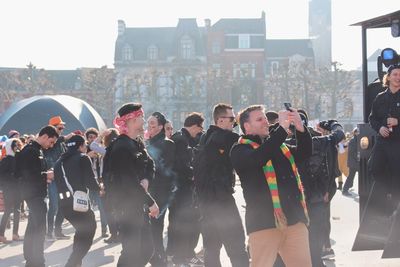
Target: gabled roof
288	47
240	26
166	39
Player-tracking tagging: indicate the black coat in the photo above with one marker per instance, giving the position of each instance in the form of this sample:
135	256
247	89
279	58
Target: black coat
218	178
78	171
126	163
353	160
315	172
8	176
162	151
31	165
248	163
184	145
385	104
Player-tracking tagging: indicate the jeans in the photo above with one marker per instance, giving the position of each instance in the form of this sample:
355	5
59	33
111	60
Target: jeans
96	199
53	210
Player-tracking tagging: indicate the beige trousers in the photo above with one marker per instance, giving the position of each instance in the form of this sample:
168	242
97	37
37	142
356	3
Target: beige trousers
291	243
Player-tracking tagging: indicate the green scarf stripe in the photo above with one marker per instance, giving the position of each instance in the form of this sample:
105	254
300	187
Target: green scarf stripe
270	176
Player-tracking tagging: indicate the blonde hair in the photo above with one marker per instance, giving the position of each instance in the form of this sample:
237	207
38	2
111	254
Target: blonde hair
385	80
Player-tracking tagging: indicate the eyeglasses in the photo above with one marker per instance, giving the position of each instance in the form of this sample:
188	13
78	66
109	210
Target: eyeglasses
60	128
231	119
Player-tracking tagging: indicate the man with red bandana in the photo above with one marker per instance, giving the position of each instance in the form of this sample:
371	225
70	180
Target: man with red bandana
129	169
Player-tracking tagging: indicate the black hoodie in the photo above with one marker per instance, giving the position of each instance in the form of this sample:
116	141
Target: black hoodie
78	171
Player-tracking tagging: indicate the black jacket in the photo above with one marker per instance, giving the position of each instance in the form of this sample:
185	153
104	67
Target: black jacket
31	165
353	160
315	172
126	163
248	163
217	179
385	105
162	151
51	155
184	145
8	175
78	171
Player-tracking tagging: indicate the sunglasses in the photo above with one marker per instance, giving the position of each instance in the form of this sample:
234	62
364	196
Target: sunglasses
231	119
60	128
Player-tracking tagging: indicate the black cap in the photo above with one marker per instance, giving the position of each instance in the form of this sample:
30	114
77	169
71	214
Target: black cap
392	67
160	118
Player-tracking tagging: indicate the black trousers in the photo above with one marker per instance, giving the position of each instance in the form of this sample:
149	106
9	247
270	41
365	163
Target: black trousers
222	225
35	233
159	258
349	180
317	215
184	226
136	239
85	228
110	211
385	167
326	233
12	204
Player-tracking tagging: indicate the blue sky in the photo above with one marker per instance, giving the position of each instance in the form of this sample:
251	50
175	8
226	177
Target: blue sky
58	34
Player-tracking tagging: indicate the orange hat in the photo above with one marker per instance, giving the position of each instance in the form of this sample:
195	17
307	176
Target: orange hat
56	121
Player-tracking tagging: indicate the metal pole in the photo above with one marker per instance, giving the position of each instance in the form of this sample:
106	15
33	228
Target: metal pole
364	72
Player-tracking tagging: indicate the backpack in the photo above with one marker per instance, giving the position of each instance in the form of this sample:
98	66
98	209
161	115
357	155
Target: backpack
207	163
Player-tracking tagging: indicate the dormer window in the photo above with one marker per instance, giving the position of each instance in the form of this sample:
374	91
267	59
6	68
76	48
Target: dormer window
152	52
127	53
187	47
244	41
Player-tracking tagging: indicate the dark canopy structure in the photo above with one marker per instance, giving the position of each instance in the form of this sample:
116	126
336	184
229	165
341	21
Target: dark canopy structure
31	114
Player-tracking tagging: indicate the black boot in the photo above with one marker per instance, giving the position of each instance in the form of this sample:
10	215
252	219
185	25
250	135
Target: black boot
340	186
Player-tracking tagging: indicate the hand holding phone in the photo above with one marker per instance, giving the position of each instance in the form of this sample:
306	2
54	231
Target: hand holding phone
287	106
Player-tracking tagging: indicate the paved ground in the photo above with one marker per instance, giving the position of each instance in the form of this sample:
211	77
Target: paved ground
344	228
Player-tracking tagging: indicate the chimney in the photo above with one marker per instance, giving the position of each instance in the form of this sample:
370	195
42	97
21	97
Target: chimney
207	23
121	27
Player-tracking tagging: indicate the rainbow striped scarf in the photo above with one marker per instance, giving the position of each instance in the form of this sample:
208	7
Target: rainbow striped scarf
270	176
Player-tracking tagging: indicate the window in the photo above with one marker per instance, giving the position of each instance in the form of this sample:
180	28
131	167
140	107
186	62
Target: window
244	41
216	48
217	69
236	70
152	52
127	53
187	47
274	67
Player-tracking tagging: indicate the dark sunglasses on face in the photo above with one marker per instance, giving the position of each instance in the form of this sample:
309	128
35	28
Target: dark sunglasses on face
60	128
231	119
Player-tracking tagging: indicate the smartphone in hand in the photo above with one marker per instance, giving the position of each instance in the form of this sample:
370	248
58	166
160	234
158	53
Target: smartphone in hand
287	106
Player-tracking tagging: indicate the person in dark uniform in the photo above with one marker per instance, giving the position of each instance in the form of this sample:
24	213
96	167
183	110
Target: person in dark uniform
129	170
75	167
184	228
34	179
215	181
384	119
162	150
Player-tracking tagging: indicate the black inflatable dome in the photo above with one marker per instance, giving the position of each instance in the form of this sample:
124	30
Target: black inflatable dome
31	114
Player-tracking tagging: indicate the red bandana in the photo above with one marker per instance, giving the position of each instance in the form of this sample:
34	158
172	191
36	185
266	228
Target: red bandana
120	122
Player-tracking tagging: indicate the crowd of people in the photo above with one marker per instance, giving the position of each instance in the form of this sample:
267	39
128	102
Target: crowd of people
135	175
